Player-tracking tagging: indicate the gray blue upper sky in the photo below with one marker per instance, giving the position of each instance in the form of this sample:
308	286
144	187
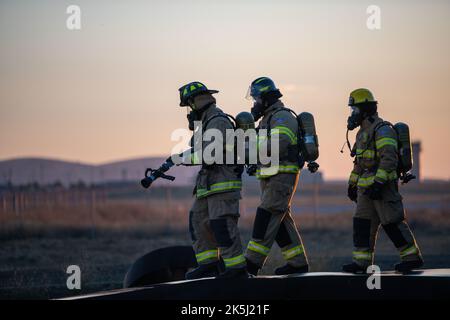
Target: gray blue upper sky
110	90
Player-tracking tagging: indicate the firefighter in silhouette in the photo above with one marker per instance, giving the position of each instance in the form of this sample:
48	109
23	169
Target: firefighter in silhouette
213	218
273	220
373	185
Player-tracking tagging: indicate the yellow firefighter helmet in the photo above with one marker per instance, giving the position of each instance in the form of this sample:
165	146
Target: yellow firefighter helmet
360	96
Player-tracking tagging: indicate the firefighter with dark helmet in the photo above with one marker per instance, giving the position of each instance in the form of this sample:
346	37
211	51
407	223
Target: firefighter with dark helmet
373	185
273	220
213	218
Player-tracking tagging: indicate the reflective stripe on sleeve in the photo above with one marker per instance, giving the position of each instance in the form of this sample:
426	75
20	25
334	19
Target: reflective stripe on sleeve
366	181
286	131
380	143
353	178
383	176
366	154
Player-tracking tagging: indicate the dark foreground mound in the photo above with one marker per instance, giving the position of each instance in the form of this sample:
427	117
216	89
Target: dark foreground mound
424	284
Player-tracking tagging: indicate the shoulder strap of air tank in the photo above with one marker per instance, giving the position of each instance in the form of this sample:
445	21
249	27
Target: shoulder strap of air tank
276	111
223	115
379	126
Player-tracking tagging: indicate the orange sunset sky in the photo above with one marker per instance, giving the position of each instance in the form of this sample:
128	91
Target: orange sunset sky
110	90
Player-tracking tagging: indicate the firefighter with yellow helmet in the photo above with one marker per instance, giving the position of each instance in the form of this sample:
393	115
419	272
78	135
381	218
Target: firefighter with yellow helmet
373	185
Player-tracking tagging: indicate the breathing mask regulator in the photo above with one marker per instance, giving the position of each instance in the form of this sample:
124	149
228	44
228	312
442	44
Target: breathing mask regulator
363	105
264	93
198	97
357	116
198	105
257	110
355	119
261	103
192	116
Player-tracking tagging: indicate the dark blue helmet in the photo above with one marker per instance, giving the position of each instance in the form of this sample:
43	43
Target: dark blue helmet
260	86
192	89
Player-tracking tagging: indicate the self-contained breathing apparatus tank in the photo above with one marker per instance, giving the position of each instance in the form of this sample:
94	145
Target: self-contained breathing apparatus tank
308	143
405	158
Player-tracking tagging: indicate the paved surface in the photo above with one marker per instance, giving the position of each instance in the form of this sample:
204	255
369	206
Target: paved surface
424	284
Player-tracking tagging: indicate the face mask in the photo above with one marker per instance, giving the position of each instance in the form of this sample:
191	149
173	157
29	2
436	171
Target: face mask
192	104
355	119
193	116
257	110
201	102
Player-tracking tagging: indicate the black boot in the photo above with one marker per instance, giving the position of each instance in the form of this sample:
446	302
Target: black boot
252	268
288	269
353	268
234	273
408	266
203	271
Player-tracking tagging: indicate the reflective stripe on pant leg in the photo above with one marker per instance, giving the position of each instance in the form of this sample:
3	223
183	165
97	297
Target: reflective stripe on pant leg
205	246
220	187
293	258
363	256
365	227
292	252
411	250
256	247
402	237
207	256
234	261
224	216
232	254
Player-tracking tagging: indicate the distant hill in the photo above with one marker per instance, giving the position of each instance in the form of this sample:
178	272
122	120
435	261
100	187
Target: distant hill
46	171
22	171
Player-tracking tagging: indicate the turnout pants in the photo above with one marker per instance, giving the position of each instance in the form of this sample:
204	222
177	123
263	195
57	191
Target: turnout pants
390	214
274	222
213	225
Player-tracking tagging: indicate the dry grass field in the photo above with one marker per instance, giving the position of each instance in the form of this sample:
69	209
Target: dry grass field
105	237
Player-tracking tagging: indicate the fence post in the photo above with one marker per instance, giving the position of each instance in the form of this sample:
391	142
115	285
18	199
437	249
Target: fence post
92	210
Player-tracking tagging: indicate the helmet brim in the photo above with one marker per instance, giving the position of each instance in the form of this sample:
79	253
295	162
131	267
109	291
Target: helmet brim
359	104
209	91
